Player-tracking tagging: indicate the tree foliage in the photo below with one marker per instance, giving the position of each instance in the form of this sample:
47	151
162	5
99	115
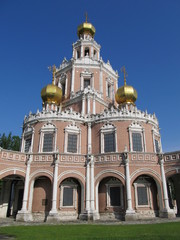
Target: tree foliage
10	142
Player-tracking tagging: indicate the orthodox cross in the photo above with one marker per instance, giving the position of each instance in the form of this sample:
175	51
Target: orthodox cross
53	70
123	69
86	15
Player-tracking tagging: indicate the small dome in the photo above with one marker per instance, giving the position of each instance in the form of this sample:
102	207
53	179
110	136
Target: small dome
126	94
51	94
86	28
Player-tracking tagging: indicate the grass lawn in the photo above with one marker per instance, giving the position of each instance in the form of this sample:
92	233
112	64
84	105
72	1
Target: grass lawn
161	231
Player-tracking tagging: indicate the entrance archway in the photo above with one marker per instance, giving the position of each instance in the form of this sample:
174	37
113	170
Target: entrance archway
11	195
42	196
173	183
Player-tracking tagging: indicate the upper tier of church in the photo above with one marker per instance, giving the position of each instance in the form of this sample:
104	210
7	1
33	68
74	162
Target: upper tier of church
85	82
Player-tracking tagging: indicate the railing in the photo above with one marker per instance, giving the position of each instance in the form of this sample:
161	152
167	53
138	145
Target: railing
172	156
12	155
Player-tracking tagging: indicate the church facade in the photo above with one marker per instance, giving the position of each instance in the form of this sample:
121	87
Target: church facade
90	153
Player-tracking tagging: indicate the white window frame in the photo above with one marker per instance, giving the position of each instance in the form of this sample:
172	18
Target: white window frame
135	127
72	129
87	75
110	83
48	128
28	133
108	128
156	136
74	187
63	79
147	185
114	183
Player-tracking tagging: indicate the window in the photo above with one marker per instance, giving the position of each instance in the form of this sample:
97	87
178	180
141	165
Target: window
48	142
157	146
72	143
109	142
137	142
115	196
27	146
72	139
86	52
63	88
27	139
137	137
143	192
68	196
86	83
142	195
68	193
78	54
108	138
114	191
109	91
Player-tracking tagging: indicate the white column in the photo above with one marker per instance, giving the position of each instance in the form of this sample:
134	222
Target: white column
101	81
54	197
128	187
82	85
26	185
94	105
83	105
72	79
81	51
87	187
165	194
88	104
89	138
92	184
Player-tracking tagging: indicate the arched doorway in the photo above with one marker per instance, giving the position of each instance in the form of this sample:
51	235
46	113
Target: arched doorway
11	195
42	197
145	197
173	183
70	198
111	198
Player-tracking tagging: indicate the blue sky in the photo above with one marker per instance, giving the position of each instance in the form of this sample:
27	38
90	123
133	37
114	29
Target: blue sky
143	35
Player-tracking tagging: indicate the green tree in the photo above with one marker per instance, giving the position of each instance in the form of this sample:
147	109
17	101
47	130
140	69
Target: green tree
10	142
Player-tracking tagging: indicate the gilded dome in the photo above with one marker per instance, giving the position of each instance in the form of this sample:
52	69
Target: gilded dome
51	94
126	94
86	28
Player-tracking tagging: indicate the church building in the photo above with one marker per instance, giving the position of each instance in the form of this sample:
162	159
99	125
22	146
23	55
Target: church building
90	153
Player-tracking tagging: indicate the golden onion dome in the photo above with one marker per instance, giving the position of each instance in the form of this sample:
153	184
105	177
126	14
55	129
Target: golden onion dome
126	93
52	93
86	28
